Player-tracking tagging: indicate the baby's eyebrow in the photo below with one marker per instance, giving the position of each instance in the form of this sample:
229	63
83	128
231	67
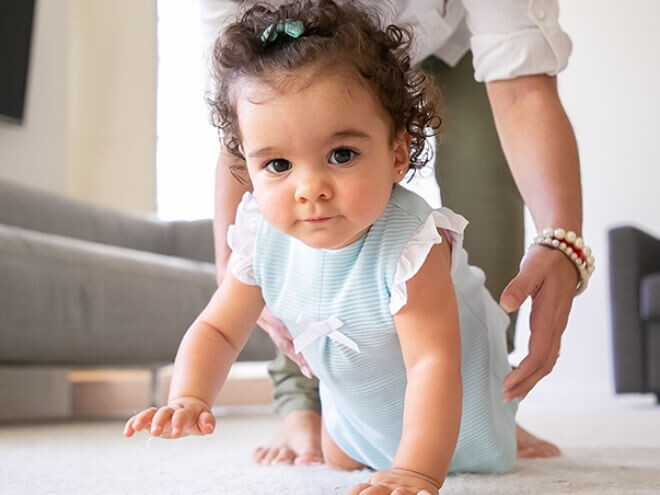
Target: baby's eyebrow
351	133
266	150
347	133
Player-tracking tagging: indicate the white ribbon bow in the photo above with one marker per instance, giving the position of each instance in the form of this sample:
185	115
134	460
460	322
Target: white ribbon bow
315	329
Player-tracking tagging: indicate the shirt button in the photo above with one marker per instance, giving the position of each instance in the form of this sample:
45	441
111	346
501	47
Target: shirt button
540	14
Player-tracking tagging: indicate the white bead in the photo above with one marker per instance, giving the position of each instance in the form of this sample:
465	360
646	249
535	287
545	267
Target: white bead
570	244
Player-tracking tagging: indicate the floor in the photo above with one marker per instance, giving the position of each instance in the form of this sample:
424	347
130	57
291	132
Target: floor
611	445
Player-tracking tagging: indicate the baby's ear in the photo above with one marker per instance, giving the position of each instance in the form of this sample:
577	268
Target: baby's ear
401	154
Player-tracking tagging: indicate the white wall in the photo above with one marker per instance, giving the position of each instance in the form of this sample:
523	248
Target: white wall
90	123
610	91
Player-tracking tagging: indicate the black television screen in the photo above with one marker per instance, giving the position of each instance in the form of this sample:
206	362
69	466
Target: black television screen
15	36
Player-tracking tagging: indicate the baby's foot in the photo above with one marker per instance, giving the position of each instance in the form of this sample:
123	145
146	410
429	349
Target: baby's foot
298	441
531	446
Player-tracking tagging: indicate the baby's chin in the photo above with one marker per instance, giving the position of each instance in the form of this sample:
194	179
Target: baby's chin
331	244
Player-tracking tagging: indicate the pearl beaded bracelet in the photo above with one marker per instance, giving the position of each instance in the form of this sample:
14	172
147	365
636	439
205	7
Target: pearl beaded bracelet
574	248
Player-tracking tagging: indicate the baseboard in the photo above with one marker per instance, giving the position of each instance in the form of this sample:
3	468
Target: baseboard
109	393
248	384
121	393
34	393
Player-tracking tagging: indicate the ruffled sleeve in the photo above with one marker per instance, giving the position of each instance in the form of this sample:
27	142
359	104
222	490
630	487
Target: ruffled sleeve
241	240
418	247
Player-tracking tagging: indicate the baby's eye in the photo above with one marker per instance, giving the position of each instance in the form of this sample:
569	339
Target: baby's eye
278	166
341	156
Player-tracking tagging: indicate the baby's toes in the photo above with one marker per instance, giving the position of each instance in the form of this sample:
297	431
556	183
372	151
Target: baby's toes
278	455
284	456
258	454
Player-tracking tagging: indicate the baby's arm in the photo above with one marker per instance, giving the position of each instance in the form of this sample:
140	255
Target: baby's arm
202	363
428	330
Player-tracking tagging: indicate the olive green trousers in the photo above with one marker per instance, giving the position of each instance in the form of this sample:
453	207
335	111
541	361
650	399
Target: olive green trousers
475	181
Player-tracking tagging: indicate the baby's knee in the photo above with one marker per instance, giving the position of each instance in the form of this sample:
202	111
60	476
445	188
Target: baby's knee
334	457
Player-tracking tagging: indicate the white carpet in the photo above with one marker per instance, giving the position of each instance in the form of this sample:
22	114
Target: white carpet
610	451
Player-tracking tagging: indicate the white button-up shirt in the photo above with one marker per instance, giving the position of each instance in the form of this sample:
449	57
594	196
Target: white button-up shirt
508	38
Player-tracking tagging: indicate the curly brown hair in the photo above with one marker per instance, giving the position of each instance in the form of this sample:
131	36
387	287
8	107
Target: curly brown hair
346	34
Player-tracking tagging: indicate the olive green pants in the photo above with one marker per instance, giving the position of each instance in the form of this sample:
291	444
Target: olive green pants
475	181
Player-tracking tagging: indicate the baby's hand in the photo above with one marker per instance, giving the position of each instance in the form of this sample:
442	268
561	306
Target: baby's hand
399	481
181	417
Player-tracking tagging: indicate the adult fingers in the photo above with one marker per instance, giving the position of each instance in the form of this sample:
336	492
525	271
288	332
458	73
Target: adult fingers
280	335
288	349
520	288
542	367
277	331
549	315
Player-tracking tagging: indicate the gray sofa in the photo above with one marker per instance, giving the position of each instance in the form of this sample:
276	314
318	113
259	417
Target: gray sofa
82	285
634	261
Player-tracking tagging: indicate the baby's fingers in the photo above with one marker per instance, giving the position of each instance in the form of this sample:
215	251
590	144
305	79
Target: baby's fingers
206	423
187	421
358	489
161	421
139	422
183	421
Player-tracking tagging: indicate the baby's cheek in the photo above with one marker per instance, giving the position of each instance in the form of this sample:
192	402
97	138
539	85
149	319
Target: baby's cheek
272	206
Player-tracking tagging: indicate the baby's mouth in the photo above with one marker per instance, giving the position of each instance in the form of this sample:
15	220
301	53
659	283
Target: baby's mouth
318	219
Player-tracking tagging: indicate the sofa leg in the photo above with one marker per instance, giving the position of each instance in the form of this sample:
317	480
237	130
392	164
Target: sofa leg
154	386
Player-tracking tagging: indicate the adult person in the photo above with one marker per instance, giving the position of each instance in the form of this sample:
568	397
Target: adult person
496	61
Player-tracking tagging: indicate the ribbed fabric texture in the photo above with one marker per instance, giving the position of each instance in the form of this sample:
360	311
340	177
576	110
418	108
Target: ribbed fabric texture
362	393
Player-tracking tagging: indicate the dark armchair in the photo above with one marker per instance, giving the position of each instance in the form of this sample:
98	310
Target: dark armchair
635	304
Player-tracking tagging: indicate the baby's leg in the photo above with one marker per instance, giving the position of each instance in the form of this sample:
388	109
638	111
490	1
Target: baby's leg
334	457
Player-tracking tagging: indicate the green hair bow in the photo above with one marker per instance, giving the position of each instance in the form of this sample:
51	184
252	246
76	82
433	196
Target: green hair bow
289	27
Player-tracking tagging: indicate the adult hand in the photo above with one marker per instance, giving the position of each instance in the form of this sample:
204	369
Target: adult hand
281	336
550	278
397	481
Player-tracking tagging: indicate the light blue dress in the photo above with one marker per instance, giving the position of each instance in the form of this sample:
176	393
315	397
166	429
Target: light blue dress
338	305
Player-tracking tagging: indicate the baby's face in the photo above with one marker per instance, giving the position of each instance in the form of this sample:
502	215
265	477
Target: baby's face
320	156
